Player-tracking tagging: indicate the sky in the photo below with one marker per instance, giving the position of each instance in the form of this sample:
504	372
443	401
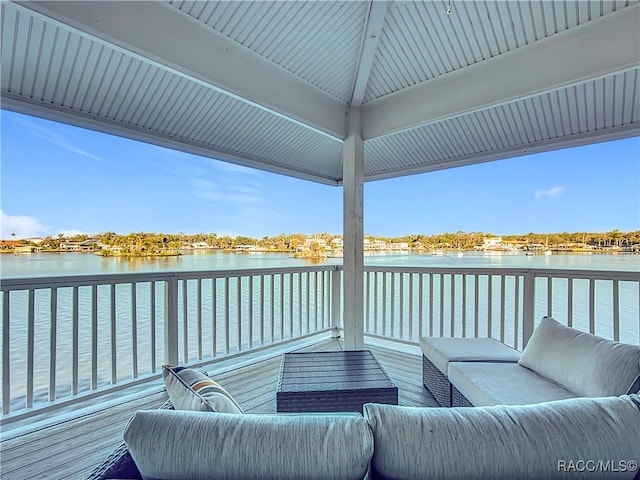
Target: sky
56	178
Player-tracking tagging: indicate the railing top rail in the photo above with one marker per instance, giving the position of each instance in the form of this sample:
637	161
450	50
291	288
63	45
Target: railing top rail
254	271
8	284
621	275
24	283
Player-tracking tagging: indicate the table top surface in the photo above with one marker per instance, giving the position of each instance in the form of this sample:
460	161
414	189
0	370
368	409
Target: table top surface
332	371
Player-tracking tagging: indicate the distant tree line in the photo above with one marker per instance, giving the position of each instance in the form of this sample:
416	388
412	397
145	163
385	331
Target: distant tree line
464	240
156	242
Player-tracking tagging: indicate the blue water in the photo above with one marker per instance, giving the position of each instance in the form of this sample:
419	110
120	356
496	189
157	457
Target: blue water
53	264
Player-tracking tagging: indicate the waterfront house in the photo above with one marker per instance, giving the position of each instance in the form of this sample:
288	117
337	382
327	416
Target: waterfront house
9	245
340	93
337	243
84	246
491	243
313	247
246	248
70	246
379	245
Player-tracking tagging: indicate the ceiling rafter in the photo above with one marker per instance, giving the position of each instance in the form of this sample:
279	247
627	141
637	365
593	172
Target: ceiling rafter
161	33
606	45
151	72
370	41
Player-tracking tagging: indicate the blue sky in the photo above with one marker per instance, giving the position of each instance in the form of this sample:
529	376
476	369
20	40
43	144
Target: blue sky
62	179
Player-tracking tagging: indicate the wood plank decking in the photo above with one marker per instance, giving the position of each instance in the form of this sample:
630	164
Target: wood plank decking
69	447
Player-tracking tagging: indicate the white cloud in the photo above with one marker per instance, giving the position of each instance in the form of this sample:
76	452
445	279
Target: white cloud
553	192
56	139
24	226
20	226
78	151
236	196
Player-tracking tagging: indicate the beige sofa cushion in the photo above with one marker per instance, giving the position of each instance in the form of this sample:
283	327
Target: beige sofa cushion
202	445
486	384
583	363
441	351
505	442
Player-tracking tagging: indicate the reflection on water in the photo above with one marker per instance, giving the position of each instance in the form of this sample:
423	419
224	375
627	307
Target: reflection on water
314	260
135	264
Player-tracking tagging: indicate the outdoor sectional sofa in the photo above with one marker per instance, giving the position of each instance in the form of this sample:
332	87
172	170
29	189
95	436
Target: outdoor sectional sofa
527	442
210	438
558	363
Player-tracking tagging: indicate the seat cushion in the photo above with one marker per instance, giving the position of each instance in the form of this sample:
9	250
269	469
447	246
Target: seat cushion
503	384
504	442
202	445
188	389
585	364
441	351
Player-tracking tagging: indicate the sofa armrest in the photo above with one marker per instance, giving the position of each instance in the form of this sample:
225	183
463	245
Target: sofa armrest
119	463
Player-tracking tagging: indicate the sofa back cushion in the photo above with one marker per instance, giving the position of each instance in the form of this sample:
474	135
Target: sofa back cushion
585	364
500	442
200	445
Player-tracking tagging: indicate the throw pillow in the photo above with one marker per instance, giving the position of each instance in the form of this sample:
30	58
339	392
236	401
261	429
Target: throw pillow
188	389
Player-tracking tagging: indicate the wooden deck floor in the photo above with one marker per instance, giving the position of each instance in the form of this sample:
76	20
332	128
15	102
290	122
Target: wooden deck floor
69	447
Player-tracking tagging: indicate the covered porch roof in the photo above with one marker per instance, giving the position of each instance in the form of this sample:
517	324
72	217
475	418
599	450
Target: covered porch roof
269	84
334	92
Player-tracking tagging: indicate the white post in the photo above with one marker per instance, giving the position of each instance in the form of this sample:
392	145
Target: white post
171	321
528	307
353	260
336	288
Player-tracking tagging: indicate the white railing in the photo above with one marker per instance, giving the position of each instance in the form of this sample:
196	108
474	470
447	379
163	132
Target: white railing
64	338
71	338
406	303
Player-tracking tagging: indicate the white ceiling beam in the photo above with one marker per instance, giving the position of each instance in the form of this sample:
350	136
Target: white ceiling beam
603	46
163	34
370	41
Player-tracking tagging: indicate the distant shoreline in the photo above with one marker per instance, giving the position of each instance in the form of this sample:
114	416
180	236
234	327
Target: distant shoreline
555	251
325	245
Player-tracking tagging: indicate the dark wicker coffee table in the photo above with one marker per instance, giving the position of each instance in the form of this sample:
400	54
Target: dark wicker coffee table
332	382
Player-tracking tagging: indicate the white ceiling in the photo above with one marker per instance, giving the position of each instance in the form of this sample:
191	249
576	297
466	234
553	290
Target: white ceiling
268	84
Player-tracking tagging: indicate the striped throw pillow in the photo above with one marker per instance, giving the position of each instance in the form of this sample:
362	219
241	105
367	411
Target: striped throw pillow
188	389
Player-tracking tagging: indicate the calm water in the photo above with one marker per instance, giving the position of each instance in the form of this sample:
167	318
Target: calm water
52	264
277	320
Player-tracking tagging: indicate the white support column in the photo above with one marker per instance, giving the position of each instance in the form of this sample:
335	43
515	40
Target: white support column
353	260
